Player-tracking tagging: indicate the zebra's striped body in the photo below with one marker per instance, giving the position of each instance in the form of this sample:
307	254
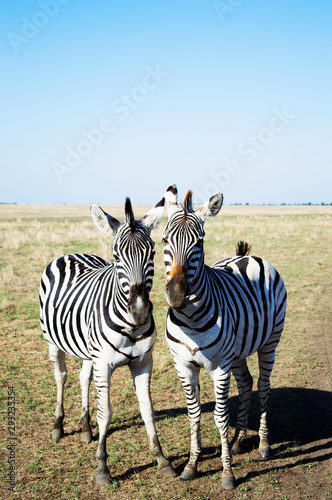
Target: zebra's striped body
101	313
219	316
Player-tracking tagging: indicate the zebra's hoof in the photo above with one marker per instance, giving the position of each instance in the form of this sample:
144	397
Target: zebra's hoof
57	434
103	478
188	475
264	452
86	437
168	471
228	483
236	449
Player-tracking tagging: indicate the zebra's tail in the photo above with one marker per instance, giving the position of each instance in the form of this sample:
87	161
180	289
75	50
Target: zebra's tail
243	248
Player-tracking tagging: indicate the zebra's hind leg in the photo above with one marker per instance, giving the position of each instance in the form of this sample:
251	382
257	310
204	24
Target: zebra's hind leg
141	375
244	385
221	378
85	380
60	374
266	356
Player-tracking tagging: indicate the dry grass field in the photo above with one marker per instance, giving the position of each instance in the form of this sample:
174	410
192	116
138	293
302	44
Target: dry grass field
296	240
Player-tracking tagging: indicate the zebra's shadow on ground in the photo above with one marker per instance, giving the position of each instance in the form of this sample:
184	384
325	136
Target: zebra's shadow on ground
297	418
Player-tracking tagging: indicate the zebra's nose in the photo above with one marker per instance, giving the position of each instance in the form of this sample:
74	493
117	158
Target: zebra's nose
139	306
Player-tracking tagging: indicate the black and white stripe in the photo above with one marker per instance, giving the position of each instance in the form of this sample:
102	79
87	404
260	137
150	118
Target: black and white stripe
101	313
219	316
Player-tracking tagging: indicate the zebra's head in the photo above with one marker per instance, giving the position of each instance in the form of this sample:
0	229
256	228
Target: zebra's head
183	238
133	252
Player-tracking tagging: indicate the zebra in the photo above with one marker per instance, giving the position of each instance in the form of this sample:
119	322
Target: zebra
217	317
101	313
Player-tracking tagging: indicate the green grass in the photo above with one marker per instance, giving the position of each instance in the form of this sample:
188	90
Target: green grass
297	243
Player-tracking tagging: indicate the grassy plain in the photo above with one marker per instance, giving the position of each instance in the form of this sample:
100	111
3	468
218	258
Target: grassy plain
296	240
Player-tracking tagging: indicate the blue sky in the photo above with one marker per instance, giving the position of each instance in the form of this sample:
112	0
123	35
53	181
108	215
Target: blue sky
107	99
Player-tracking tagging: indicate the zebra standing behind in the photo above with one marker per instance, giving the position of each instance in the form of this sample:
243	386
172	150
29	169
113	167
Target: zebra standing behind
101	313
219	316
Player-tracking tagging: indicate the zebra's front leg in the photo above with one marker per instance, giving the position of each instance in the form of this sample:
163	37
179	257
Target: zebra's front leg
244	385
221	416
102	377
141	377
190	383
60	374
85	381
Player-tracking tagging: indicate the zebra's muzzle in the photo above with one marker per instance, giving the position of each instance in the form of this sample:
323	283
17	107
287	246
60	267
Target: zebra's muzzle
177	291
139	305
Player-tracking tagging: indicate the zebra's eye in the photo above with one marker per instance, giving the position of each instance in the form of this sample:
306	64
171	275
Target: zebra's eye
199	242
164	240
116	258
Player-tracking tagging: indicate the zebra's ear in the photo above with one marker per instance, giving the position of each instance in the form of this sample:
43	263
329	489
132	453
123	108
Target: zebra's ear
210	208
171	197
172	194
103	221
152	218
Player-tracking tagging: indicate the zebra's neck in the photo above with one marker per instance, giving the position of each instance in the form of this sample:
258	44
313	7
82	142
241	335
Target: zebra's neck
200	281
200	300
